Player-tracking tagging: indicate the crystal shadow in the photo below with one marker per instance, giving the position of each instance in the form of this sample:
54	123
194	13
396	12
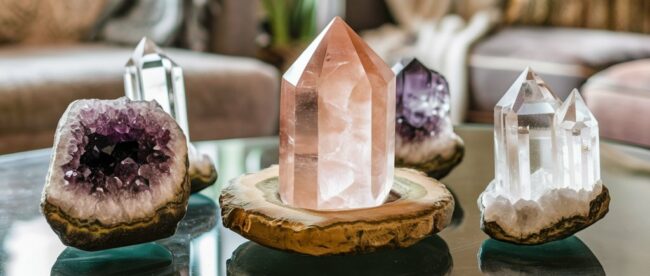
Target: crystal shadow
569	256
429	257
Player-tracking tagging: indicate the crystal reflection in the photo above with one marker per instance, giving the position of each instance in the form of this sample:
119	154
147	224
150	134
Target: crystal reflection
565	257
135	259
191	251
428	257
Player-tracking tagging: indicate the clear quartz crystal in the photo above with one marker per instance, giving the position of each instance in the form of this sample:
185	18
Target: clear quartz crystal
151	75
523	134
337	124
578	161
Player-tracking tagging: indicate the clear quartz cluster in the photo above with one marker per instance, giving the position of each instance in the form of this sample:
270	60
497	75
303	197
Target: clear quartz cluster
542	144
151	75
337	122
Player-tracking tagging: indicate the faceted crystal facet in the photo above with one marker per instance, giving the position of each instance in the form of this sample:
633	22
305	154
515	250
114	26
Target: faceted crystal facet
151	75
523	134
422	100
337	120
578	160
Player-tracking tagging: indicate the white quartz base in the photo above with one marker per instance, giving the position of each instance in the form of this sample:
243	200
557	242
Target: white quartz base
525	217
416	152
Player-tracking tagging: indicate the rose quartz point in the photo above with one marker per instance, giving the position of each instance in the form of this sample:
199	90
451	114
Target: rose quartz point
337	124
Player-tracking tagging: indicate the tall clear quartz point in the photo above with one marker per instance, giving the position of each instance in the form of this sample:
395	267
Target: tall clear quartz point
523	134
578	160
151	75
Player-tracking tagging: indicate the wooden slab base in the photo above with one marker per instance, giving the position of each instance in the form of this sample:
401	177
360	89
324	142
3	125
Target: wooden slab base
418	206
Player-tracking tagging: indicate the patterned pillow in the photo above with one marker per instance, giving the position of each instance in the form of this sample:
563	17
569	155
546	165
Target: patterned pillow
47	21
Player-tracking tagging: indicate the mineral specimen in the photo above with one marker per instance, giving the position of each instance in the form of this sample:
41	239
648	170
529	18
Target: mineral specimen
576	134
151	75
118	174
547	173
523	138
425	137
418	206
337	120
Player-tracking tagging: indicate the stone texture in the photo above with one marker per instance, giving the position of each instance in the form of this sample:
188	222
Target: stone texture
553	227
118	175
418	206
337	122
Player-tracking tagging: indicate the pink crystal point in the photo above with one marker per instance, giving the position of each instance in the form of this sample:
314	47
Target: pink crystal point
337	124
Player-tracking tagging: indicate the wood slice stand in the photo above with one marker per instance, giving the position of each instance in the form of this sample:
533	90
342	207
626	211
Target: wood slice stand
418	206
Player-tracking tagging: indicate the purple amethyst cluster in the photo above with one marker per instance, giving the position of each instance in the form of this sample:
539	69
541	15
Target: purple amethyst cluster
117	150
422	100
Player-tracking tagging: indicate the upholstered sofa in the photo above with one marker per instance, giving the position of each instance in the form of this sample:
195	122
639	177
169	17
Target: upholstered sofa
565	58
227	97
619	97
566	42
78	50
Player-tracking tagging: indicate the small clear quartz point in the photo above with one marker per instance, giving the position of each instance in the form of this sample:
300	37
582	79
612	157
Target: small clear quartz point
578	161
151	75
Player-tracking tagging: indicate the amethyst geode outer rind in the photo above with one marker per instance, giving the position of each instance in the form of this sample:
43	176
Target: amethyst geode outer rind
202	171
425	139
90	210
439	162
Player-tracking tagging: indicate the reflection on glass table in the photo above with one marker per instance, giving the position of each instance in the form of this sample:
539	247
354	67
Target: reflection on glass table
196	235
617	245
569	256
428	257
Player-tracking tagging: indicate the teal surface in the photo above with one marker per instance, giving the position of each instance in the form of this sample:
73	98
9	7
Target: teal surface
569	256
428	257
168	256
129	260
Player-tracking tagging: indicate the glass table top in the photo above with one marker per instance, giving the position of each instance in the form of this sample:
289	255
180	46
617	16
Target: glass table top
617	245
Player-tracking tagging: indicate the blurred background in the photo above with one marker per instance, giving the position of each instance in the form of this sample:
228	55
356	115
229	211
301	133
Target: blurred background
233	53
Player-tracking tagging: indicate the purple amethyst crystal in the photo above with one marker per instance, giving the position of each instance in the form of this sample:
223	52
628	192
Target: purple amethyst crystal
422	100
112	148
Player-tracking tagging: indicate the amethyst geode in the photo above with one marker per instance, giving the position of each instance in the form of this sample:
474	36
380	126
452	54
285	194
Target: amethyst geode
118	175
425	139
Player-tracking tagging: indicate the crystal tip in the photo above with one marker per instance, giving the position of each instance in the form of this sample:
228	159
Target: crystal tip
146	46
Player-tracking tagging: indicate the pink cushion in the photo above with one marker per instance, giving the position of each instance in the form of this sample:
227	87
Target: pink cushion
619	97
